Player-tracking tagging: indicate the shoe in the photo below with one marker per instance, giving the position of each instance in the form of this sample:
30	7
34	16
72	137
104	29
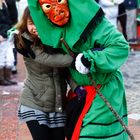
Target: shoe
14	70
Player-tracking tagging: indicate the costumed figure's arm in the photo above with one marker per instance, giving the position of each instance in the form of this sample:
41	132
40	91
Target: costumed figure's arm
114	53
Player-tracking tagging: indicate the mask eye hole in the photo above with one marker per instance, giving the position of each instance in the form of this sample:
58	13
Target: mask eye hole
61	1
46	7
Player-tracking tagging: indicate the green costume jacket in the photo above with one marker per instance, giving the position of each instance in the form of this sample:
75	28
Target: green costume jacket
88	29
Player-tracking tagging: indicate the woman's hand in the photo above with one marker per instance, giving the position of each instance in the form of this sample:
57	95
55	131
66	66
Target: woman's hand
2	38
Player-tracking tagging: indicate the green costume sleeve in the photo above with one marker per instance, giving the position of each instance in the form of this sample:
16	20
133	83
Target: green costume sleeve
115	49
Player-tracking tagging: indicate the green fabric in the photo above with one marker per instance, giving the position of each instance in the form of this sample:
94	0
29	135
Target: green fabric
51	34
105	64
107	130
105	71
138	4
122	136
99	114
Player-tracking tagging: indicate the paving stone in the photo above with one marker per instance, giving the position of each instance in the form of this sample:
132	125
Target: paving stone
23	133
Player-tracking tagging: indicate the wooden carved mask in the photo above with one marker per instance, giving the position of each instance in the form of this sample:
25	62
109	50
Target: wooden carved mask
57	11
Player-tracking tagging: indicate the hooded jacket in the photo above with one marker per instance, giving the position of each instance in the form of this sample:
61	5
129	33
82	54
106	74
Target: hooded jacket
88	29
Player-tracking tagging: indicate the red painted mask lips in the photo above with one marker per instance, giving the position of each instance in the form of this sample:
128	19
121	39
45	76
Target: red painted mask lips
57	11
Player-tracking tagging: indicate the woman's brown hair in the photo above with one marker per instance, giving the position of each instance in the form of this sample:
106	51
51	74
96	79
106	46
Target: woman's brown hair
22	27
22	24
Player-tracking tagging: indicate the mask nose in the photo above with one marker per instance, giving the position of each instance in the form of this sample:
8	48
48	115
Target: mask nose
57	9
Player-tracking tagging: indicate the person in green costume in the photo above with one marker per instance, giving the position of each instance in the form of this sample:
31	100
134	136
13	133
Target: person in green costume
100	50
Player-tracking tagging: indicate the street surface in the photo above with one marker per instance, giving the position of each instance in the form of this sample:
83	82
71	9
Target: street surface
12	129
131	71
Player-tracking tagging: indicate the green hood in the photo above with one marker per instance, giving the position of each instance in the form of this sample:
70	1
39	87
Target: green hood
50	34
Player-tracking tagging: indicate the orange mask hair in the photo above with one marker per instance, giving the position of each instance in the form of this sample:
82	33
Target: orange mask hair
57	11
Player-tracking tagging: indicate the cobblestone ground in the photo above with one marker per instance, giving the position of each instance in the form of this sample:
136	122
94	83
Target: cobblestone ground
11	129
131	71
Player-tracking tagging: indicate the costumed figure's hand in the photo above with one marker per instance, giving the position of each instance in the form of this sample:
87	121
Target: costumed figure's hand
82	64
81	92
23	46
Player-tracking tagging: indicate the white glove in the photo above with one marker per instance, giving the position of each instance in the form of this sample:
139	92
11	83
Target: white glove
79	65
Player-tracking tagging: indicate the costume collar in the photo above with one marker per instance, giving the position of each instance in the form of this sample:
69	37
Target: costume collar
50	34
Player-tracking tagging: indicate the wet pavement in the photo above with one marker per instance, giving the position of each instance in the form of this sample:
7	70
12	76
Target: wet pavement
12	129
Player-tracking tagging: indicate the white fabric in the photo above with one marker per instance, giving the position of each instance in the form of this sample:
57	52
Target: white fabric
131	25
110	9
79	65
118	1
106	3
111	2
6	54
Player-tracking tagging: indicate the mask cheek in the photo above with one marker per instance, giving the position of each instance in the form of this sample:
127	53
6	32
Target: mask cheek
51	16
56	16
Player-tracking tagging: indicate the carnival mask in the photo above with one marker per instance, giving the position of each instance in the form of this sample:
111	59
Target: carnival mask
57	11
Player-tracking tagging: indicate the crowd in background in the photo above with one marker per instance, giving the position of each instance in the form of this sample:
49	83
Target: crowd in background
124	13
8	55
10	13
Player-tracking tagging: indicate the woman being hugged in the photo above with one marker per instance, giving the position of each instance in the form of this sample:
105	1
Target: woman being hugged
43	94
